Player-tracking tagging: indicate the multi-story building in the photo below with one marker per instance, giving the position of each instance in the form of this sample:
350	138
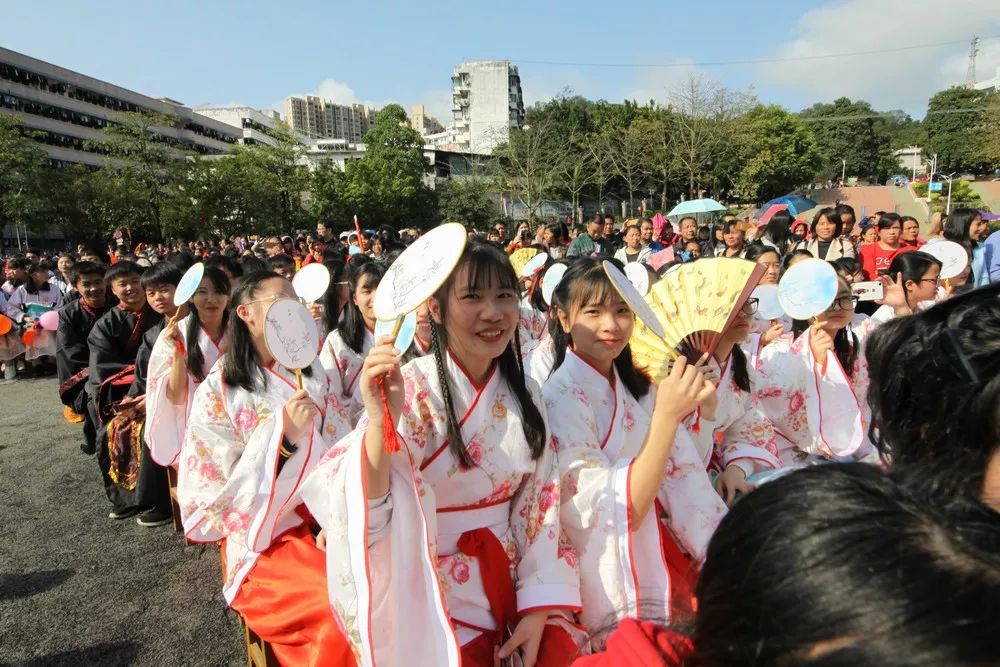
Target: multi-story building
66	112
422	123
322	119
486	104
259	127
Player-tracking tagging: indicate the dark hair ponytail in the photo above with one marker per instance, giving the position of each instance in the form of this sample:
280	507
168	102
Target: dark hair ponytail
585	278
488	265
195	360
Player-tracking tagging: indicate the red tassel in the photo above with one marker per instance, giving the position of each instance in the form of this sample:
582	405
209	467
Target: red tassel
388	425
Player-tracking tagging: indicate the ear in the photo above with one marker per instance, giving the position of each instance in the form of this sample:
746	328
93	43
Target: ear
563	319
243	312
434	308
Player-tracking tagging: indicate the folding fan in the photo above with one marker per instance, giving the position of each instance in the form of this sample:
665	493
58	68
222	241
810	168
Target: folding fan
694	304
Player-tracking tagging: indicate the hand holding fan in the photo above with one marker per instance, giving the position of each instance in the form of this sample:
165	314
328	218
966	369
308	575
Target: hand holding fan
807	290
412	279
695	304
291	335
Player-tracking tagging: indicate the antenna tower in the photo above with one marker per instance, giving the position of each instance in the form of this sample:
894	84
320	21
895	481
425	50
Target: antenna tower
970	75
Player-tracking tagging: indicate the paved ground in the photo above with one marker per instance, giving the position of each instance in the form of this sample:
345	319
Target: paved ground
990	192
77	588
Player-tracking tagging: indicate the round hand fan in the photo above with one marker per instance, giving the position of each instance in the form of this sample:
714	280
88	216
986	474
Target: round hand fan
533	265
189	284
694	304
311	282
291	335
636	273
953	257
406	332
807	289
768	306
551	280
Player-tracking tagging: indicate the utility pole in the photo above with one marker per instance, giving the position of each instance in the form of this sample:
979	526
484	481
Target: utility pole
914	149
947	209
843	172
970	74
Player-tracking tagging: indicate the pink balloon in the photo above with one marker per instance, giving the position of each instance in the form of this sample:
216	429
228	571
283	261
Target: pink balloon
49	320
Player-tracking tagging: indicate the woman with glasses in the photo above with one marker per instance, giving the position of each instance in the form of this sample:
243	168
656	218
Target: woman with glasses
809	386
251	439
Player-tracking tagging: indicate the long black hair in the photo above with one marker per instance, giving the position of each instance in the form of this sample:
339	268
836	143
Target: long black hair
958	225
892	578
331	300
935	392
585	283
845	342
195	360
779	230
488	266
912	265
830	213
361	272
241	365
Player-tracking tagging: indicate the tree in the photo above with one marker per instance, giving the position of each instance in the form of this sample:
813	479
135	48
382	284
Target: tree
527	165
627	150
779	154
705	121
576	173
852	131
387	186
22	168
954	123
466	201
990	138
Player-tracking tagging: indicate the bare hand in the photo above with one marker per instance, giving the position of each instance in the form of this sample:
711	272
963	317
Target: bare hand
683	390
894	294
300	414
381	370
527	637
709	369
732	481
820	342
316	310
172	333
775	332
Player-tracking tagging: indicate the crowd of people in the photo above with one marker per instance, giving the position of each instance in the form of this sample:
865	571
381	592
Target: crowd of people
550	503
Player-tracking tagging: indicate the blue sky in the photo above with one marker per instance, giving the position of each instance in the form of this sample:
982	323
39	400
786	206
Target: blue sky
258	53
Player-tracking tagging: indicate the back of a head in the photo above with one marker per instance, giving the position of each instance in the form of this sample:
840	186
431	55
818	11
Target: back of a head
838	565
935	393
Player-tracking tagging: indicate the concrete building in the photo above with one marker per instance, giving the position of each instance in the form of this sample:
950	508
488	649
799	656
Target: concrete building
322	119
67	111
258	127
486	103
422	123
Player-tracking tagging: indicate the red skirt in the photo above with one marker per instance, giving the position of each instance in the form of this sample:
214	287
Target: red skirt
284	601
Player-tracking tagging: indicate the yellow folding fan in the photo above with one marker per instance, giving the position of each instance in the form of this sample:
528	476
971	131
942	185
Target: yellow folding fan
694	303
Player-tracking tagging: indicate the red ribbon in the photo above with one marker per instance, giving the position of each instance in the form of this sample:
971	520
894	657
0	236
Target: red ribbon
494	565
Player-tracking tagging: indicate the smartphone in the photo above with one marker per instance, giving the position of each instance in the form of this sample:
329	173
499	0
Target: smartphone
871	290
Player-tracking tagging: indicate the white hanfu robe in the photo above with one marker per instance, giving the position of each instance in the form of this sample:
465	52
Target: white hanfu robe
816	414
337	356
166	422
598	429
539	361
741	433
530	325
23	303
227	484
399	582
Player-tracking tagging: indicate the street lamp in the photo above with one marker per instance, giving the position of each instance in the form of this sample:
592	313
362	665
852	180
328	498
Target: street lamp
947	209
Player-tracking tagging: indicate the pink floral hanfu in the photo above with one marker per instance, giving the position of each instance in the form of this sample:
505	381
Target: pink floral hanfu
337	356
230	484
530	326
166	422
598	429
402	574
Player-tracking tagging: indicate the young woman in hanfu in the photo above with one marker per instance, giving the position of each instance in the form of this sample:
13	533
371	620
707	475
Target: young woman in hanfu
533	312
251	439
347	346
631	477
812	388
451	552
182	356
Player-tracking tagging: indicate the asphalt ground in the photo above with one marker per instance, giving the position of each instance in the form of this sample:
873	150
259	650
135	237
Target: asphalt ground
78	588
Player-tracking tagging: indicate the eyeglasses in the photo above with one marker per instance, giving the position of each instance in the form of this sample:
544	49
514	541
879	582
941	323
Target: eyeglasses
750	307
274	298
936	280
844	303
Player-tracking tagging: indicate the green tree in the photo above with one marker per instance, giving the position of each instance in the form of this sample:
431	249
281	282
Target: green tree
387	185
327	199
990	138
852	131
779	154
466	201
527	164
22	169
954	123
627	149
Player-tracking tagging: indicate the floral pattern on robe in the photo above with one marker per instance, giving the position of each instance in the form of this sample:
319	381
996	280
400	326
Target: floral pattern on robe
424	616
337	356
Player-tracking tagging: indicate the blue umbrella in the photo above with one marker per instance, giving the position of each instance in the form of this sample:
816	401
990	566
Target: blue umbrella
796	203
693	206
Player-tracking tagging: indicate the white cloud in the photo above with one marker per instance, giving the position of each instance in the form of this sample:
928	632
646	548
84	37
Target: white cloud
437	104
899	79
